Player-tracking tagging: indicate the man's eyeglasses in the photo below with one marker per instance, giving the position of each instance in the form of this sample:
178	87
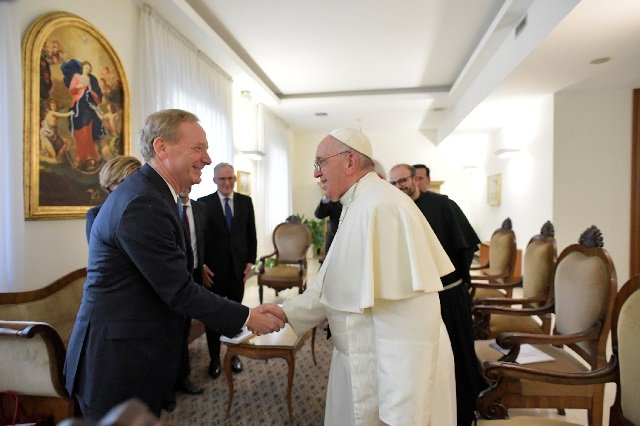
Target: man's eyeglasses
401	181
317	165
200	149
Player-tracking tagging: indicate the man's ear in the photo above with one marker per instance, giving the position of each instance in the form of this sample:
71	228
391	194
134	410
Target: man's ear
160	147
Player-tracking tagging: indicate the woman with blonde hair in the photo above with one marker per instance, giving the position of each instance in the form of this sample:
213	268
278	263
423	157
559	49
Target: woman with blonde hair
111	175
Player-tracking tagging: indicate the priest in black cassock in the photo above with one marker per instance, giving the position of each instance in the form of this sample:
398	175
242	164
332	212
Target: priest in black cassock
459	241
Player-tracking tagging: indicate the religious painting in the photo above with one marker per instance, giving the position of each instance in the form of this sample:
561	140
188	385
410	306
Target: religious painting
76	115
243	182
494	188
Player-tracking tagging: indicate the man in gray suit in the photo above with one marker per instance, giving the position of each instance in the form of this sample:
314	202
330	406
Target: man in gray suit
139	288
230	253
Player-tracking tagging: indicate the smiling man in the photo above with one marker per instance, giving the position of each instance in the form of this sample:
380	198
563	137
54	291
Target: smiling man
378	287
230	250
139	288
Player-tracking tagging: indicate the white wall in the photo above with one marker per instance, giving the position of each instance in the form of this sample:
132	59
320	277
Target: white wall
592	170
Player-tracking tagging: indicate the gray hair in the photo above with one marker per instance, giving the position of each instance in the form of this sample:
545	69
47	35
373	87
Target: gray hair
365	162
162	124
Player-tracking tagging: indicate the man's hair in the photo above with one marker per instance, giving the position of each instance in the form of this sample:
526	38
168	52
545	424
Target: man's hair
422	166
115	170
412	169
162	124
221	165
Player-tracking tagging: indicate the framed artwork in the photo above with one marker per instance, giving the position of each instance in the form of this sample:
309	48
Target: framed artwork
76	115
243	182
494	188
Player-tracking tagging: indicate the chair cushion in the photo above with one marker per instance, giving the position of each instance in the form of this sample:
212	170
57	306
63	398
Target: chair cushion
629	357
484	293
501	253
581	289
502	323
538	263
281	274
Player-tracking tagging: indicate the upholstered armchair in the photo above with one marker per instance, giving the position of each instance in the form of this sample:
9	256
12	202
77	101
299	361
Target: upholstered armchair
623	367
532	313
494	279
584	285
290	241
35	327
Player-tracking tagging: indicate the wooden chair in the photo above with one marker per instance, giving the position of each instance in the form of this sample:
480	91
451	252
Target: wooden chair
494	279
32	355
584	292
291	242
533	313
623	367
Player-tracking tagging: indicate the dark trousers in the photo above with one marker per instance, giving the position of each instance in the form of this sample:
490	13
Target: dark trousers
232	290
455	307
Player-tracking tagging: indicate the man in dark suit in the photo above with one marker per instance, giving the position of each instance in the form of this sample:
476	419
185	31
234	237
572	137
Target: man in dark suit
231	248
139	285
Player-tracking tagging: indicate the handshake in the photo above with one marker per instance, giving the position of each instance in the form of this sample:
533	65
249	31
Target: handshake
266	318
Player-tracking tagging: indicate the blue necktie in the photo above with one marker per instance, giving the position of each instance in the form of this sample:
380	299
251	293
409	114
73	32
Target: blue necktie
228	215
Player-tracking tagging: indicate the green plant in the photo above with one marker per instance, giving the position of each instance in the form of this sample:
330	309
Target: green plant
316	226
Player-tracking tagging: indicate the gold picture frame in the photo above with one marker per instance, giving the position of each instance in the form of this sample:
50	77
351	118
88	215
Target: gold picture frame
243	182
494	189
76	115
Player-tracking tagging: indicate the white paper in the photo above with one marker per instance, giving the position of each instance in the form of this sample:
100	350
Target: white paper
528	354
244	334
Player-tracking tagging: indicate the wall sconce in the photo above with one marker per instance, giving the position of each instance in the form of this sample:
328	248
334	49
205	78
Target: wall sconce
253	154
505	152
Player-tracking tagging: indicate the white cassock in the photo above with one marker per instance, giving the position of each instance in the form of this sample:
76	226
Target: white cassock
392	360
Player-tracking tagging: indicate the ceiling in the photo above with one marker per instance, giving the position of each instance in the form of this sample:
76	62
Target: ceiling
438	66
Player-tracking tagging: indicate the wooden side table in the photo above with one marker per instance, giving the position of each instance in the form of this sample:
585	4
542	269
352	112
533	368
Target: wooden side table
283	344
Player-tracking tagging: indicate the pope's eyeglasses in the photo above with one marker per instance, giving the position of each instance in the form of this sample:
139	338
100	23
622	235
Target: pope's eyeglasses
317	165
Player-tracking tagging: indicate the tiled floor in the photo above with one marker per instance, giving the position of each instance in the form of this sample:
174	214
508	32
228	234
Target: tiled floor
574	416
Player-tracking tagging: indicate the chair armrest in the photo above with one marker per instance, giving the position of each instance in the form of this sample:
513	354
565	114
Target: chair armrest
45	363
512	339
261	261
499	374
487	301
478	267
507	310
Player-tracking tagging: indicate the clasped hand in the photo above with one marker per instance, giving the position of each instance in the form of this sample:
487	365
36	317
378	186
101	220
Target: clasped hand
266	318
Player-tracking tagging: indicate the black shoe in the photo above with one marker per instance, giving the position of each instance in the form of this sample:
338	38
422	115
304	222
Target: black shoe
187	386
236	365
215	369
169	404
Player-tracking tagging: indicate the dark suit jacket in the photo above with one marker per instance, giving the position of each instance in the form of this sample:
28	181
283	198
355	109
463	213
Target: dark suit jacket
137	292
227	253
91	217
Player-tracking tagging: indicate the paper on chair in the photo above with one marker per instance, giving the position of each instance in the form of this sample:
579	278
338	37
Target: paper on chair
244	334
528	354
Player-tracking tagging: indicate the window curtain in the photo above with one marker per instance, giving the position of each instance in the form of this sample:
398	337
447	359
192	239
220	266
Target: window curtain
275	169
174	74
12	227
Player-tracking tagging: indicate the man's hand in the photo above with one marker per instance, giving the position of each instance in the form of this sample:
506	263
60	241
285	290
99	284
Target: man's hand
247	270
266	318
207	276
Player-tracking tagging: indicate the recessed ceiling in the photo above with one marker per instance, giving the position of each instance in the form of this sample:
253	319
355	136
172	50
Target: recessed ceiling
412	64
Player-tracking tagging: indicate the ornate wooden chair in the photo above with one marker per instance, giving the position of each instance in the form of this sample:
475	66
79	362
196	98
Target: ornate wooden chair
492	316
584	292
623	367
493	279
291	242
